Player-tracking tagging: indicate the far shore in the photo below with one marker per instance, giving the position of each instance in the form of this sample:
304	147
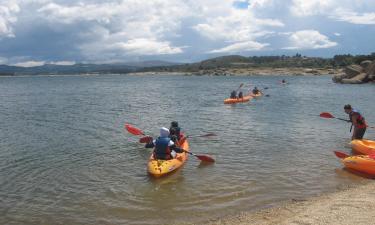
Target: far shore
348	206
293	71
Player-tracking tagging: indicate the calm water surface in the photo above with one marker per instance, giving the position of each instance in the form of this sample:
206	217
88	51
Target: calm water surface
65	158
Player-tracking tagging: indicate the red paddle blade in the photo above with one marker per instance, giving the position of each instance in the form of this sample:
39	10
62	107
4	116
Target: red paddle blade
326	115
205	158
371	156
208	135
146	139
133	130
341	155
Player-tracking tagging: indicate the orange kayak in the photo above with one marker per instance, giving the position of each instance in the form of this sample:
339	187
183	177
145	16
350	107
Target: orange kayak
365	147
159	167
238	100
361	163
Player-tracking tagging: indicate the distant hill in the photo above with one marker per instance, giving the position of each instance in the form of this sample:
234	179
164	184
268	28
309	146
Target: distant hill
228	62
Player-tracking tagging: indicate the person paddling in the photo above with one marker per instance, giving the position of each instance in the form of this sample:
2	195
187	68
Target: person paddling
240	94
255	91
357	120
164	147
233	94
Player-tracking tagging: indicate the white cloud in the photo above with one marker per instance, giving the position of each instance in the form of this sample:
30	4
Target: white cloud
355	18
309	39
63	63
30	63
8	11
144	46
241	47
337	34
355	12
236	25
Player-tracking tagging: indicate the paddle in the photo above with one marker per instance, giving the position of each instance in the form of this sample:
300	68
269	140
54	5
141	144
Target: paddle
341	155
133	130
239	87
330	116
204	158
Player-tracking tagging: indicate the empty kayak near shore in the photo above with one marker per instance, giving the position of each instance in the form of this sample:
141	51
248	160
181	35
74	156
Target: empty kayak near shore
158	167
237	100
361	163
365	147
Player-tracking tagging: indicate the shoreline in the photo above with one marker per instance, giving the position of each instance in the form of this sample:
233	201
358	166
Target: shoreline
292	71
346	206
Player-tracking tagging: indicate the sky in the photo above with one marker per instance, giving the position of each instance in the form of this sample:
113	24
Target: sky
65	32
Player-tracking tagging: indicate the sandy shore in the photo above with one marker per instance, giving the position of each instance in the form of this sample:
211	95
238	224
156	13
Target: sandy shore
354	205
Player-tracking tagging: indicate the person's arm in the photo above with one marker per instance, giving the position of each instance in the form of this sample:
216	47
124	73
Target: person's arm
150	145
173	147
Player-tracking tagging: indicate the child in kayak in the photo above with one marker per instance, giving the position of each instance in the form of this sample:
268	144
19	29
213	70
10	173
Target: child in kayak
164	147
175	132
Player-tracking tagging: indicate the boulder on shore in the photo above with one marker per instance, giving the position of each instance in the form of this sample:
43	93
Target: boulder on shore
359	79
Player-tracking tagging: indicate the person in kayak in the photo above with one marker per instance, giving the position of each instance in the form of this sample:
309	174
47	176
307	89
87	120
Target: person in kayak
240	94
233	94
255	91
357	120
283	81
164	147
175	131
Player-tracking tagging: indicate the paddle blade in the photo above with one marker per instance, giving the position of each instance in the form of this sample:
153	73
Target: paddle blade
146	139
205	158
133	130
371	156
208	135
341	155
326	115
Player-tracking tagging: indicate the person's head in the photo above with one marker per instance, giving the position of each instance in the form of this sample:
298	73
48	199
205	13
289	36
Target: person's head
174	124
255	87
348	108
164	132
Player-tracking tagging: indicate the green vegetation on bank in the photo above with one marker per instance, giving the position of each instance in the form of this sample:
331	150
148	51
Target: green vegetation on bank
237	61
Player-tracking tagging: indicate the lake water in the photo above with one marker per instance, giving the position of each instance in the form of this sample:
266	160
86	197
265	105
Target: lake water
66	159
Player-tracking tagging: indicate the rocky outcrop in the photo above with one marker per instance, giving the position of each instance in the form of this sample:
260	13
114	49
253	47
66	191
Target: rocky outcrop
357	74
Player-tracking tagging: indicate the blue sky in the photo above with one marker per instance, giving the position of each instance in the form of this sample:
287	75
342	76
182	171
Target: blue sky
35	32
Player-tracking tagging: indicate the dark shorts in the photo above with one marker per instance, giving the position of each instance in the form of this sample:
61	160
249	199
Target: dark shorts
358	133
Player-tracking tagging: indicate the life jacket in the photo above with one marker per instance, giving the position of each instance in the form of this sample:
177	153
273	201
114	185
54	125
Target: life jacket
162	150
360	119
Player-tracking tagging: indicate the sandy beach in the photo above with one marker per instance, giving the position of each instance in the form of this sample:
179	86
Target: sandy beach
351	205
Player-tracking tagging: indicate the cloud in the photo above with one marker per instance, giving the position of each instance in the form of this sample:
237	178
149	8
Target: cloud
241	47
309	39
30	63
8	11
344	10
63	63
237	25
354	18
144	46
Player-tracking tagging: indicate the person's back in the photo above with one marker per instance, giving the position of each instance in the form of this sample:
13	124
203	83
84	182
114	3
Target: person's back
164	147
240	95
233	94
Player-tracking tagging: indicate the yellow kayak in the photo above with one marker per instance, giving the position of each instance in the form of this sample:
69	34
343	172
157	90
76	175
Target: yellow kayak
238	100
257	95
159	167
365	147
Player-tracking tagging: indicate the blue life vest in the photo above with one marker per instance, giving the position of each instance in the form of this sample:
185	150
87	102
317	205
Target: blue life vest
162	150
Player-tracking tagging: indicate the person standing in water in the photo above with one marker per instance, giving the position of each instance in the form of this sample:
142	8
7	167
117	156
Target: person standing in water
357	120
